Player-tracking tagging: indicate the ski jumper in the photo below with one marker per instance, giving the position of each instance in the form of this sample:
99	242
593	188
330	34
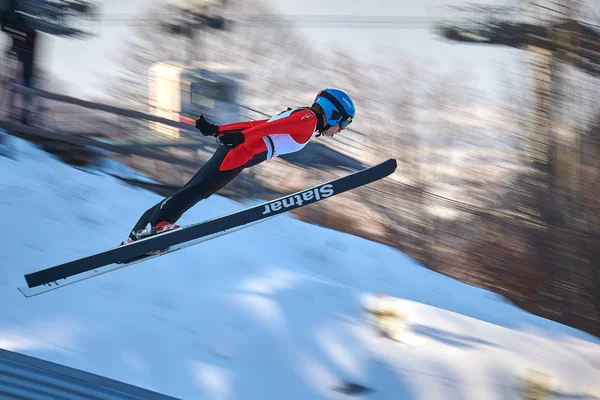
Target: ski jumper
284	133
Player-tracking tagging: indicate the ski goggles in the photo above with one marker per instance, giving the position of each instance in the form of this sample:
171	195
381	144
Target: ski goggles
344	123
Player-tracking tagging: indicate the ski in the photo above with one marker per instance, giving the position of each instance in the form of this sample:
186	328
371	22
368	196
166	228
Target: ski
100	263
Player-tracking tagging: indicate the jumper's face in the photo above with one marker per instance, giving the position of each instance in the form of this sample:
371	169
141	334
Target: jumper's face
332	130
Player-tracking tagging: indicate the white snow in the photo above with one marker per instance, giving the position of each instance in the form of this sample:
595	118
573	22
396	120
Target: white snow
276	311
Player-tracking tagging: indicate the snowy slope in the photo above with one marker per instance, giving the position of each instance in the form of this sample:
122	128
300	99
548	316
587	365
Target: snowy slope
272	312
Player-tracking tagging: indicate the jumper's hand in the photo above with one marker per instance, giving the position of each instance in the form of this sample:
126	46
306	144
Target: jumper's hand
231	139
205	127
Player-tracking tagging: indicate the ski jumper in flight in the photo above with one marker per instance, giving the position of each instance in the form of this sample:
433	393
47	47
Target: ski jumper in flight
243	145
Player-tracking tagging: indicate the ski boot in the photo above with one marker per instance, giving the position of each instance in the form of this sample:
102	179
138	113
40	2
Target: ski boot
150	230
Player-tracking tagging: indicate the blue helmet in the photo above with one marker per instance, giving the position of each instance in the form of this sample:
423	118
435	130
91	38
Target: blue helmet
337	106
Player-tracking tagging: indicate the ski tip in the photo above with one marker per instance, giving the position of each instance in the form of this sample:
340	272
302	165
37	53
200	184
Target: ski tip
390	163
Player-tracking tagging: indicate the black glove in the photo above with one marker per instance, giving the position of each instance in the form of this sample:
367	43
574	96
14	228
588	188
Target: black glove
205	127
231	139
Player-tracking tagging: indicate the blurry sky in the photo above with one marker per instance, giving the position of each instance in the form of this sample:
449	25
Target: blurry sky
83	63
404	40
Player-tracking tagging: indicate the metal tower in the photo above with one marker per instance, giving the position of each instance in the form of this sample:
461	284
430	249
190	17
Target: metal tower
555	36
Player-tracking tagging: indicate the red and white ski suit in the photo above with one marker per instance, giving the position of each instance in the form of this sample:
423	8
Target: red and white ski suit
287	132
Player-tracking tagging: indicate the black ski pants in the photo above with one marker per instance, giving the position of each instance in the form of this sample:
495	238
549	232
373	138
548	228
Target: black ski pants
207	181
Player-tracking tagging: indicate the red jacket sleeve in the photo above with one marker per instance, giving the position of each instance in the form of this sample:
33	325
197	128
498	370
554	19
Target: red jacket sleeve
299	124
240	126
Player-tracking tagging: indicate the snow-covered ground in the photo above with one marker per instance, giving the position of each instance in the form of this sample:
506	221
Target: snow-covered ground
272	312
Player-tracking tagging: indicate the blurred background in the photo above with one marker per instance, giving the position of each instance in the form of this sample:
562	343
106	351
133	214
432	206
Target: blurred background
490	108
